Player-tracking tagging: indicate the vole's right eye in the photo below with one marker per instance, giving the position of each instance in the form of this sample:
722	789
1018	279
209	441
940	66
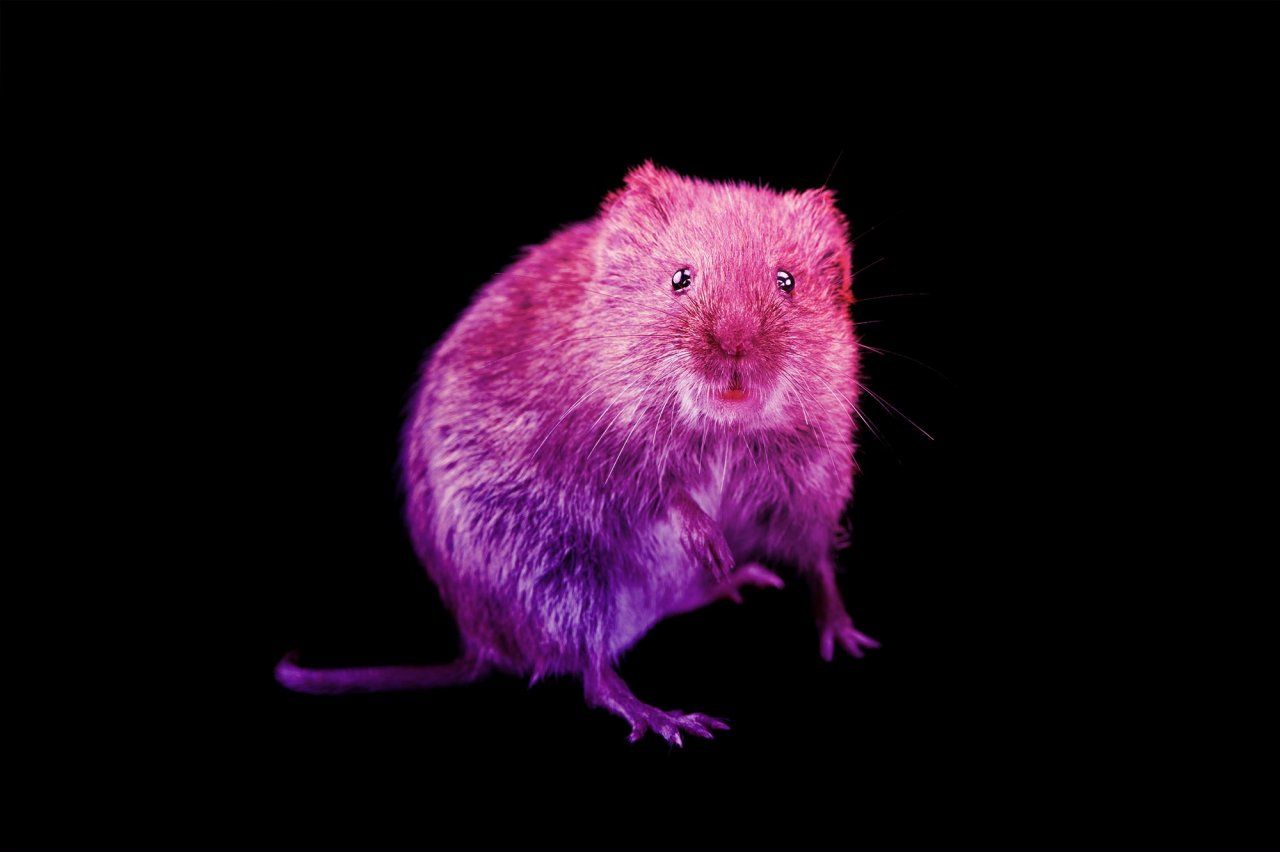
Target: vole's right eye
681	279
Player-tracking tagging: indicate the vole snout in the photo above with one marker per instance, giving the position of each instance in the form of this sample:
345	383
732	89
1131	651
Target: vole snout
735	335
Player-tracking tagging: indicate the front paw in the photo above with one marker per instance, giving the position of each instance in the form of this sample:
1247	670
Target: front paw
701	538
716	556
751	574
707	549
838	627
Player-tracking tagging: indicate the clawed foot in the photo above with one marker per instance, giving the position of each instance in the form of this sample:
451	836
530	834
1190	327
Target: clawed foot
753	574
839	628
669	725
605	689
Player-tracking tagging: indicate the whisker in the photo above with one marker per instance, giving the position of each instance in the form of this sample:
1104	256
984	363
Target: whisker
890	407
880	351
629	386
604	293
635	336
596	383
653	442
826	442
872	228
858	272
799	397
862	299
666	450
852	406
833	169
627	437
653	308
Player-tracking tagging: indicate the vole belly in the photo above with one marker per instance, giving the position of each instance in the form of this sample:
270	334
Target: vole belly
727	494
672	584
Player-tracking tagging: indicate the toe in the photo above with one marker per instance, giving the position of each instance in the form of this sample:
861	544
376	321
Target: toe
866	641
708	722
850	644
721	560
701	725
694	728
761	576
667	727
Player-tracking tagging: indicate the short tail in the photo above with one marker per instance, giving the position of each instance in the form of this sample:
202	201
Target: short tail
376	679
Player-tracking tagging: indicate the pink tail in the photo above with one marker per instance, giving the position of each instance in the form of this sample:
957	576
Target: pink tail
376	679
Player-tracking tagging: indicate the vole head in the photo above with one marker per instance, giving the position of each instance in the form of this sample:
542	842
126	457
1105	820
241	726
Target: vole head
742	291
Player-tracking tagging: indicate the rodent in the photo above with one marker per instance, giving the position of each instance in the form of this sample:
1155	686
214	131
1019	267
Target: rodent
630	422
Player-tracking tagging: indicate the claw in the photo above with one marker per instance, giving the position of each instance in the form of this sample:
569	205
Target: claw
670	725
603	688
694	728
701	724
705	544
758	575
721	561
866	640
853	641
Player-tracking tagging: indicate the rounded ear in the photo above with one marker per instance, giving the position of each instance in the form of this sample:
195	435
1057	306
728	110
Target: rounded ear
648	177
841	265
634	215
648	191
837	261
821	203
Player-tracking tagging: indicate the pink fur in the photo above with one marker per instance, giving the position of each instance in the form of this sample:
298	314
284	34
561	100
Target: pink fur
591	451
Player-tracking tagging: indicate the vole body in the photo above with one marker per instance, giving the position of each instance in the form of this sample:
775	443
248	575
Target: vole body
632	409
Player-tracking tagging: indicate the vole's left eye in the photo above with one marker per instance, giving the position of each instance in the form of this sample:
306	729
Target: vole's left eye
681	278
785	282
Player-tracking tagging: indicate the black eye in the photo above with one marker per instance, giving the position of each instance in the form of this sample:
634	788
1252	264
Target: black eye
785	282
681	279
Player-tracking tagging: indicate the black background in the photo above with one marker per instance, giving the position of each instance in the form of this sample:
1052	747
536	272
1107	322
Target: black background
250	222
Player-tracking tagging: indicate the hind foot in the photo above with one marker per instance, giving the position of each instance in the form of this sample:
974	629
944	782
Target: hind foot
604	688
835	627
669	725
838	627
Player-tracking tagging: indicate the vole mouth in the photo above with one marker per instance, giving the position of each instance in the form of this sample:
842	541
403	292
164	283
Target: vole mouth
735	391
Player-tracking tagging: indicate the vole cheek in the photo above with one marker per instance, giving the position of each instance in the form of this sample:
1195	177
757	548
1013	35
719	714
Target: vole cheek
689	394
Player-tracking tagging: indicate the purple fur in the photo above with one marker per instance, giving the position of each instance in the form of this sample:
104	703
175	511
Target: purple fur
591	451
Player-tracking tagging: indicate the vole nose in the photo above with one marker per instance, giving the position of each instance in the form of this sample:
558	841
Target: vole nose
734	336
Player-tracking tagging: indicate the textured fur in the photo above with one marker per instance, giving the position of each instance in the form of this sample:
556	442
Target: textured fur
573	472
